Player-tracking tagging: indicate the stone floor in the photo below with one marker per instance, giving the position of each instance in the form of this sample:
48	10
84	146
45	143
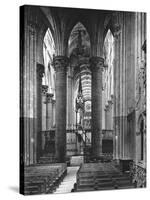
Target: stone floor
67	185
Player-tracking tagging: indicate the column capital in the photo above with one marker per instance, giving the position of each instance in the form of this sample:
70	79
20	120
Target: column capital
96	63
40	70
106	107
116	30
60	63
49	97
54	101
44	89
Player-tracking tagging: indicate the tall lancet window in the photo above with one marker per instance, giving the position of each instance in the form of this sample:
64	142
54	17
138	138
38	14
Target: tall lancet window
108	82
109	59
48	53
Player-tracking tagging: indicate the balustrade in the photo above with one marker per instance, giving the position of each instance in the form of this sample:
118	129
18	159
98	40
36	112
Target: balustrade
138	175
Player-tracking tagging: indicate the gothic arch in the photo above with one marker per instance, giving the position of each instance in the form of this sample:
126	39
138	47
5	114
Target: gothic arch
71	27
44	26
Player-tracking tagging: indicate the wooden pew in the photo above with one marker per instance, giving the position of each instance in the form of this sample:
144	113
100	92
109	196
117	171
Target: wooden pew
101	176
38	179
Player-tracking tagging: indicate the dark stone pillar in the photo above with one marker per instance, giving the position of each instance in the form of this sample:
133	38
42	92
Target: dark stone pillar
60	65
49	115
40	72
96	65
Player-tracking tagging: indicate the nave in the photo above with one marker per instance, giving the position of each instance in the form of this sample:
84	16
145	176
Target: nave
82	99
58	178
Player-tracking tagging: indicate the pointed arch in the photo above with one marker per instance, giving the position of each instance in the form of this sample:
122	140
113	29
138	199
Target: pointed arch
48	53
78	28
108	49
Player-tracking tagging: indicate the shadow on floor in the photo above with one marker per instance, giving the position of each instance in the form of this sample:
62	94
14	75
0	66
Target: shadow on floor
14	188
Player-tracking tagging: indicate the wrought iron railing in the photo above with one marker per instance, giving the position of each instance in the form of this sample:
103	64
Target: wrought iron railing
138	175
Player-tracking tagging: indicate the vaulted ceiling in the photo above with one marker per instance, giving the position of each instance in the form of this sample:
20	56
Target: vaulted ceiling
76	33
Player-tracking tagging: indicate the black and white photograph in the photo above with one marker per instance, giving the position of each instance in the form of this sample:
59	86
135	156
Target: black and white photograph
82	100
74	105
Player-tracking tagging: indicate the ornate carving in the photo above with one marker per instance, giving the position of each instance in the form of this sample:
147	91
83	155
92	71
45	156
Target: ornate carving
96	63
141	85
106	107
40	71
44	89
60	63
116	30
115	25
53	101
49	97
138	175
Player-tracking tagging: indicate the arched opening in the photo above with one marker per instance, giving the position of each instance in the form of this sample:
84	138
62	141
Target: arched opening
108	93
48	97
79	88
48	53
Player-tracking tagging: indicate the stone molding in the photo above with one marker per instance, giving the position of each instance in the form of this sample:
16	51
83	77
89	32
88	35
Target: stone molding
60	63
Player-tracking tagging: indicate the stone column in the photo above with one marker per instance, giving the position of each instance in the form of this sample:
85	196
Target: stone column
53	112
96	65
60	65
49	115
106	116
116	97
44	105
40	72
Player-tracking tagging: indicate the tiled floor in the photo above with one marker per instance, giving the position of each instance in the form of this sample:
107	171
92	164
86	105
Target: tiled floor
67	185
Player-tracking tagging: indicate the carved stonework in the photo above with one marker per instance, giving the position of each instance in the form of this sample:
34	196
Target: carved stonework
49	97
44	89
60	63
106	107
96	63
53	101
141	85
116	30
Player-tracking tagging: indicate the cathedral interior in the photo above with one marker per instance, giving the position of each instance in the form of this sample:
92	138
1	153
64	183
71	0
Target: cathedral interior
82	99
